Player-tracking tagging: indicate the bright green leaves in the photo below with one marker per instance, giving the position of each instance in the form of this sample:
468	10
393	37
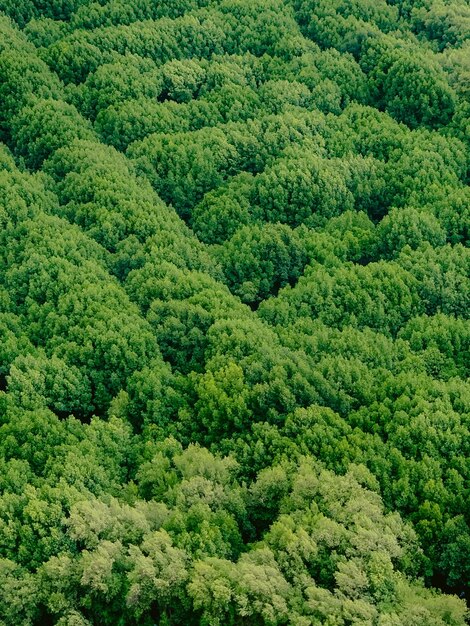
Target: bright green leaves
158	573
321	185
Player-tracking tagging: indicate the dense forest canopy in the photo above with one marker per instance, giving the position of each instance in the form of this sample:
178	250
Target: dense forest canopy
234	289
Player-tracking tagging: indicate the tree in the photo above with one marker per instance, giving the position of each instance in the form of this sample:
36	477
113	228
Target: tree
184	166
44	127
302	190
222	211
347	296
22	77
408	227
129	77
258	260
410	85
38	381
447	24
342	24
182	80
432	102
443	340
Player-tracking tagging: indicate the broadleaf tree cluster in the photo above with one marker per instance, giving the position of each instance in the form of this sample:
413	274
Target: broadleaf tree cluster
234	292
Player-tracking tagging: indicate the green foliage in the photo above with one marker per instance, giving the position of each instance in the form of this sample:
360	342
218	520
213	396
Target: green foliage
341	24
258	260
347	295
184	166
444	340
446	23
129	77
44	31
409	84
44	127
415	93
234	295
22	76
408	227
302	190
224	210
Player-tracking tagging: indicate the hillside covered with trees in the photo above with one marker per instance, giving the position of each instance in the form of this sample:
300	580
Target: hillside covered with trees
234	335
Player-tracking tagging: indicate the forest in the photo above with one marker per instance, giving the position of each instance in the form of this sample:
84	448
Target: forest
234	291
